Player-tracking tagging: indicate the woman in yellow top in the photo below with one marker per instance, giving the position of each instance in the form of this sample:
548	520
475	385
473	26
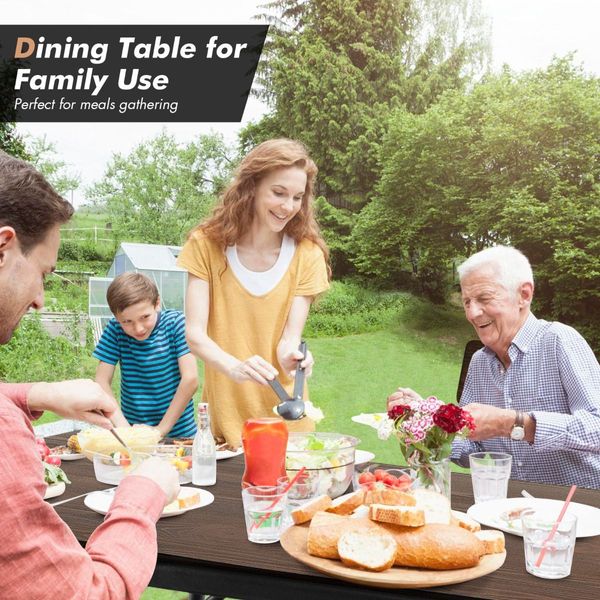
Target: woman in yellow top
255	266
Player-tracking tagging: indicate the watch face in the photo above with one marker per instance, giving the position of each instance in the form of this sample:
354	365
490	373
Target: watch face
517	433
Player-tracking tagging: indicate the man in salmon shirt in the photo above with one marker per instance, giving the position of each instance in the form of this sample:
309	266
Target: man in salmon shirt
39	555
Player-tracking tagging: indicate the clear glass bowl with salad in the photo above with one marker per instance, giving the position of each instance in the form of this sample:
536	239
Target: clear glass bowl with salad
328	458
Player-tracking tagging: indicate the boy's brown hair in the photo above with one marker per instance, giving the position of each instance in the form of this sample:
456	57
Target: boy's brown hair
128	289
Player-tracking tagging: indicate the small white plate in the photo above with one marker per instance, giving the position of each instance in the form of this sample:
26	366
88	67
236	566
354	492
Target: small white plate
71	456
370	419
54	490
363	456
101	501
489	513
222	454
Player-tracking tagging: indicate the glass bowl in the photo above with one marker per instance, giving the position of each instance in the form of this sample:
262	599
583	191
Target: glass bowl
328	459
111	468
376	476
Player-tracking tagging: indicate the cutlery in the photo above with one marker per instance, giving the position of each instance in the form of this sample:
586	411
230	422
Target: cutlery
291	408
526	494
108	491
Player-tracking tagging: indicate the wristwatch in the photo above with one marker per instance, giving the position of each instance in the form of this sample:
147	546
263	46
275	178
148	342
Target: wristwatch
517	432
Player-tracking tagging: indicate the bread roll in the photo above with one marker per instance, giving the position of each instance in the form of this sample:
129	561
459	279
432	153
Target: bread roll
436	546
347	504
366	548
408	516
492	540
305	513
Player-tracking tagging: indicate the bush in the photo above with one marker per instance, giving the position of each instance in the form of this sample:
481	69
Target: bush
85	251
33	355
349	309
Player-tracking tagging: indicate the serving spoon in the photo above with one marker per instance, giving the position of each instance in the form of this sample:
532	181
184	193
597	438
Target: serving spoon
291	408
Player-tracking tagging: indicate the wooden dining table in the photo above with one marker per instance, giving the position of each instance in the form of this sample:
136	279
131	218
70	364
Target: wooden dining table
206	551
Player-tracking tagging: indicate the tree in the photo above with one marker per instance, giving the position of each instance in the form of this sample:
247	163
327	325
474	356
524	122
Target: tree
42	154
162	189
10	142
516	160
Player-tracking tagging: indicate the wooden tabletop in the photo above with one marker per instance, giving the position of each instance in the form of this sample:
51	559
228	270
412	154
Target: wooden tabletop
206	550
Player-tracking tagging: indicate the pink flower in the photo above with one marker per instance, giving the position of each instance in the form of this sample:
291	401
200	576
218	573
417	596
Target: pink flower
451	418
397	411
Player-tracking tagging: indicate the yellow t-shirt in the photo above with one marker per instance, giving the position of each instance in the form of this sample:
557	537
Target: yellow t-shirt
243	325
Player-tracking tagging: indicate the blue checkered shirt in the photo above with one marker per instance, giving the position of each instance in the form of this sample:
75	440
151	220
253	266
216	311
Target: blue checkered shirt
555	377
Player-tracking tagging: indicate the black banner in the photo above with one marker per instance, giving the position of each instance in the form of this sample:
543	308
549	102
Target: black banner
127	73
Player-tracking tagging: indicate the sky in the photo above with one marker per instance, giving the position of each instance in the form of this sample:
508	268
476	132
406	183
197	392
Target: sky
526	34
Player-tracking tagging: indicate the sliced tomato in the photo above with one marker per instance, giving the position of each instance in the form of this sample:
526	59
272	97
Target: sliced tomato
390	480
125	461
380	474
366	477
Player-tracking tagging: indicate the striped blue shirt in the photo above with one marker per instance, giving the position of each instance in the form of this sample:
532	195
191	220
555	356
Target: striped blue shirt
555	377
149	370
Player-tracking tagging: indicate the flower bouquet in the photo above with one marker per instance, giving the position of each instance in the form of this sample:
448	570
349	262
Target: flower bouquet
425	429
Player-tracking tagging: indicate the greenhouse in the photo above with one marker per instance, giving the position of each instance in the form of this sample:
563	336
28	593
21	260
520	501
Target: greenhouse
156	262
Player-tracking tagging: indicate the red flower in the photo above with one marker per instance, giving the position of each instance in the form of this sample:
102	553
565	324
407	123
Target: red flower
398	411
452	418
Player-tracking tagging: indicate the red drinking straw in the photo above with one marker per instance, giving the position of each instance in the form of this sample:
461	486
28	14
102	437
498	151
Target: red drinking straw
275	502
542	553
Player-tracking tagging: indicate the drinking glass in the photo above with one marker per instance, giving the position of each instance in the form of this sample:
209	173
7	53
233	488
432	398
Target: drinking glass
490	472
558	556
264	511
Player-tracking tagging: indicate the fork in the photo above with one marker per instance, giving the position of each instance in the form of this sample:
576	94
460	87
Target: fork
108	491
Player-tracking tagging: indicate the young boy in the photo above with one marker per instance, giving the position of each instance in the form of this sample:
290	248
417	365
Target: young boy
158	374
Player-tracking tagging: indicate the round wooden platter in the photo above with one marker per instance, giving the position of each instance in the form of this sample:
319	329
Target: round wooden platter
293	541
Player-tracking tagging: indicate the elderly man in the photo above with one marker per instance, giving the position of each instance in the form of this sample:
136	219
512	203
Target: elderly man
534	389
39	555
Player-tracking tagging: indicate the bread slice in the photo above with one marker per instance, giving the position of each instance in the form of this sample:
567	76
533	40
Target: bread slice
326	529
347	504
390	497
461	520
306	512
492	539
368	549
408	516
435	505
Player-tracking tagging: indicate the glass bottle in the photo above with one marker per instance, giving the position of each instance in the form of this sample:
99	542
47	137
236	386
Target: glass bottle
204	451
265	443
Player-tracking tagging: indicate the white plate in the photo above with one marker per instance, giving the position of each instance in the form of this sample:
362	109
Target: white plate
101	501
370	419
363	456
222	454
488	513
54	490
70	456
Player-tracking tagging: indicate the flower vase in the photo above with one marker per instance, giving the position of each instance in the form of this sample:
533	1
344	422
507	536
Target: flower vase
433	475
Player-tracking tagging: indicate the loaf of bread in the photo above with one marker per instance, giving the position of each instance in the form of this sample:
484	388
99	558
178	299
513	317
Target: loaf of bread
435	505
367	548
461	520
389	496
347	504
305	513
436	546
492	540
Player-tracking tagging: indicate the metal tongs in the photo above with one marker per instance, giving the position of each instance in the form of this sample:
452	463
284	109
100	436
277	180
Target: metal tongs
291	408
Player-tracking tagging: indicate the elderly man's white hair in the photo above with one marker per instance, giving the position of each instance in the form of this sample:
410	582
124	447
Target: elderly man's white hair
509	264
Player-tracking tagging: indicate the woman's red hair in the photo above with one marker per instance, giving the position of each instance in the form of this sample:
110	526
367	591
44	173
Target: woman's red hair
232	217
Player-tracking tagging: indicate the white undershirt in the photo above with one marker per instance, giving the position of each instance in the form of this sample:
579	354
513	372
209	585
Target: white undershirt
260	283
